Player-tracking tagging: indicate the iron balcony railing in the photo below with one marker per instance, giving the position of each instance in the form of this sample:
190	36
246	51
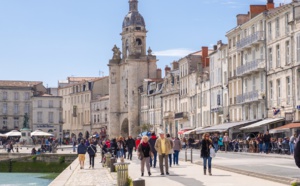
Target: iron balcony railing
249	97
256	65
249	40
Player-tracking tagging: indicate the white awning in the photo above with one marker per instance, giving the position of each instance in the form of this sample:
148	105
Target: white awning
224	127
262	123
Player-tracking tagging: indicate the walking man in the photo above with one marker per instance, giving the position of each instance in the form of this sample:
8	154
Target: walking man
130	143
226	141
152	142
163	147
81	150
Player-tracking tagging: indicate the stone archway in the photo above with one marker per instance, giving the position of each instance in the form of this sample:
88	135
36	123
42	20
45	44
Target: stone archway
125	128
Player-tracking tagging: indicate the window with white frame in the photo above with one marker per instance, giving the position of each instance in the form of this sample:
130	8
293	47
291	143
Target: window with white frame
27	96
4	95
16	108
288	90
261	52
287	52
253	83
50	117
298	48
278	92
4	122
277	27
270	59
277	55
4	109
26	108
16	122
40	103
270	30
246	85
262	81
271	90
50	103
40	117
16	95
287	27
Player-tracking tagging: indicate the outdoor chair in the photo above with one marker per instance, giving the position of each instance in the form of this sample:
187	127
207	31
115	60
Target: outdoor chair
285	148
274	148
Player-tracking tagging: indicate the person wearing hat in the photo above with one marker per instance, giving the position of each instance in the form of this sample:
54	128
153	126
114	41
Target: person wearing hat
152	141
163	148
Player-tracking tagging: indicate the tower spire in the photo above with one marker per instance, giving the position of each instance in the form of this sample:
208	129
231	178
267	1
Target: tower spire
133	5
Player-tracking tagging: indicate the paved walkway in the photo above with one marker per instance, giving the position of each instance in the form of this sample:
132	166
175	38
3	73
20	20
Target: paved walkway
73	175
187	174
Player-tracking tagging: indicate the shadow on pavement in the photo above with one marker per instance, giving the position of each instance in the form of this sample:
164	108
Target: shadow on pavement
186	181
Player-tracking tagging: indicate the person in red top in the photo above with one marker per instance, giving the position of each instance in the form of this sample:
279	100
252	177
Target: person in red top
108	143
137	142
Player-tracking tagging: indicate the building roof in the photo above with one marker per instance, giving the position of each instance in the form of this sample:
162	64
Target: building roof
79	79
5	83
92	79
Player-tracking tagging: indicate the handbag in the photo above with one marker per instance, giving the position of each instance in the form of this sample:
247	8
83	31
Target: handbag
212	152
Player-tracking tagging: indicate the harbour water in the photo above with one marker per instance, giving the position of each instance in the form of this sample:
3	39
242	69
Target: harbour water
24	179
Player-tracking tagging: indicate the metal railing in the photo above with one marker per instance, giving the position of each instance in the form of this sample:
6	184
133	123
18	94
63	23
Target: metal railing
248	97
253	38
258	64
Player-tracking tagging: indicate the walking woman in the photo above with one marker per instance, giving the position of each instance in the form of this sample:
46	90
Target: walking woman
177	148
205	153
121	147
144	152
92	149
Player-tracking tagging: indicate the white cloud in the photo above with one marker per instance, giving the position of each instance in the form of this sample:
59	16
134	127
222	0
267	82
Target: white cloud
178	52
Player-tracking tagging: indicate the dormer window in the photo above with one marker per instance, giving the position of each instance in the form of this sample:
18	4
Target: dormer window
138	28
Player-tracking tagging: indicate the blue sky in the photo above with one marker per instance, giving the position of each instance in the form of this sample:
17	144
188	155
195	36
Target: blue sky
49	40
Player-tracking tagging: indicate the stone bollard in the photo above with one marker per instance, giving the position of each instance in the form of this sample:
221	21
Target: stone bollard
139	182
122	173
185	154
112	165
108	156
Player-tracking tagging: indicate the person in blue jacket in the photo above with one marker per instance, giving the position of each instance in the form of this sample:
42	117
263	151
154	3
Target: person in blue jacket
92	149
81	151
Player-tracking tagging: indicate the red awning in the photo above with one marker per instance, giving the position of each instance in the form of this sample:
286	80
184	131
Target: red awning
288	126
183	131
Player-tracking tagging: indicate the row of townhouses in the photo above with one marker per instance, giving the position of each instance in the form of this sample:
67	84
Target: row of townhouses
250	85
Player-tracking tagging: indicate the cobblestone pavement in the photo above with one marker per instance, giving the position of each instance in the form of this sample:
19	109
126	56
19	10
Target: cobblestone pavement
98	176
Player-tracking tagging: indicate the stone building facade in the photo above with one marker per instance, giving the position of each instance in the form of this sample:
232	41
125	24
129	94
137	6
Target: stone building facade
127	72
47	114
15	102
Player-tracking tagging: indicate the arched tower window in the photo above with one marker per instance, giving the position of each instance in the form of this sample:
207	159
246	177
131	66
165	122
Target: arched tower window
138	41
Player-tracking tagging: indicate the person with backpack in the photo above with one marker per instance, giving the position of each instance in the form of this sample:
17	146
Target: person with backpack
92	149
152	142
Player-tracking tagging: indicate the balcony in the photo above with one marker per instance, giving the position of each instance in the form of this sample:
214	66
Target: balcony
250	67
168	115
250	40
250	97
218	110
181	116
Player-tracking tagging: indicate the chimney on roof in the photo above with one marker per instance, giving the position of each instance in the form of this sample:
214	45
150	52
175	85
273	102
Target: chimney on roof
158	73
270	5
167	70
205	60
175	65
